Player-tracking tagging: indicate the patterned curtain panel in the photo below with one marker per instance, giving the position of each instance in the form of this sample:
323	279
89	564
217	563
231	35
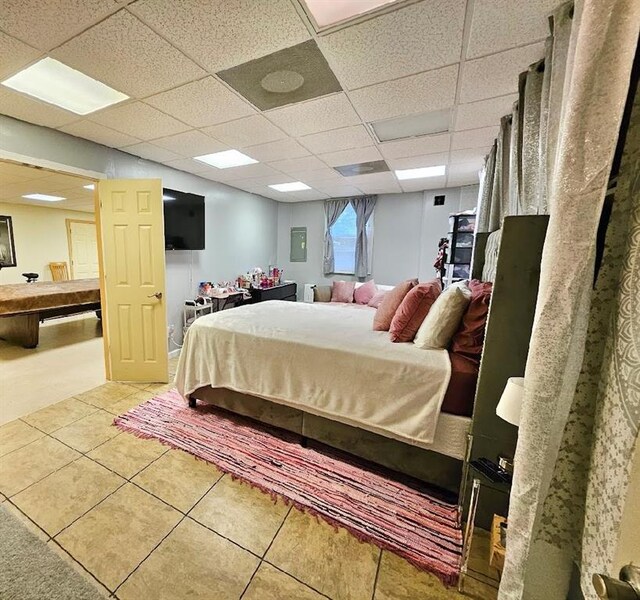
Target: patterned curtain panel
332	211
363	207
579	419
485	192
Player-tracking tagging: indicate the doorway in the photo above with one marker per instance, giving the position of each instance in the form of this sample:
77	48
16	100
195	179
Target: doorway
83	249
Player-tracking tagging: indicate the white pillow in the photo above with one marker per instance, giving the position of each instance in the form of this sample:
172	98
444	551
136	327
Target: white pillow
443	319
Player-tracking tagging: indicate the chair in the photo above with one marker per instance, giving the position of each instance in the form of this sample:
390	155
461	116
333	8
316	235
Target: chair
59	271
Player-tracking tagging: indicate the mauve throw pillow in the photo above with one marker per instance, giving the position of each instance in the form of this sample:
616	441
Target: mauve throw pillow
342	291
365	292
389	305
469	338
412	311
378	298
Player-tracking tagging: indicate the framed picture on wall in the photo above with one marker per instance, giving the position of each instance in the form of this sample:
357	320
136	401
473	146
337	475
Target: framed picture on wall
7	249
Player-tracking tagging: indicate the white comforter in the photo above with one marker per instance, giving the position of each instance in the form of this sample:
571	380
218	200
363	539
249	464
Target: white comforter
322	359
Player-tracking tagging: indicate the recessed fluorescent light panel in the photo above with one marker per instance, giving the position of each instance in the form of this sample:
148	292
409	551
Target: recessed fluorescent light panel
420	173
294	186
91	186
43	197
436	121
54	82
226	159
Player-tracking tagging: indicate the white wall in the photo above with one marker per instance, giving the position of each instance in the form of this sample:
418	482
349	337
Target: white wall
241	228
407	228
40	237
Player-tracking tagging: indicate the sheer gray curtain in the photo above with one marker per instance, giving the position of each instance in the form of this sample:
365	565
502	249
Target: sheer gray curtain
363	206
332	211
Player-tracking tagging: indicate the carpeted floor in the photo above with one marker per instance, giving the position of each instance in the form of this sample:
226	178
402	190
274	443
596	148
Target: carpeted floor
406	517
29	570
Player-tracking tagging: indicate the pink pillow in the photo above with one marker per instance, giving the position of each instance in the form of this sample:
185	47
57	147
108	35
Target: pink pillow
413	310
389	305
377	299
365	292
342	291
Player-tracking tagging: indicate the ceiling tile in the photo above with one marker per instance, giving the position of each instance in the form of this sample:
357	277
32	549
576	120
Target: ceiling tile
14	55
246	132
47	24
337	139
327	176
428	144
474	138
293	166
224	33
312	116
201	103
501	24
483	113
280	150
337	190
376	183
426	183
463	179
309	195
424	160
191	143
467	155
351	157
497	75
150	152
24	108
190	166
99	133
244	172
420	37
463	173
414	94
21	172
139	120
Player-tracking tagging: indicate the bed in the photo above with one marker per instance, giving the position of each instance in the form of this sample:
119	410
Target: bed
24	305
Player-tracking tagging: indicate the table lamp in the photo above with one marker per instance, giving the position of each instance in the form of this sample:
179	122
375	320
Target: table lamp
510	403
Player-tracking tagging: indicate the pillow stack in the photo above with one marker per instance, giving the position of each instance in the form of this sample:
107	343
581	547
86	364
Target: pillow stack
347	292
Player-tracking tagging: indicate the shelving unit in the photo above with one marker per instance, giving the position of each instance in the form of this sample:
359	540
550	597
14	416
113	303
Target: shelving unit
461	233
191	312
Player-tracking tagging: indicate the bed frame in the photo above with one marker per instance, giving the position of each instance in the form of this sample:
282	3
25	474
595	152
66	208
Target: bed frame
511	259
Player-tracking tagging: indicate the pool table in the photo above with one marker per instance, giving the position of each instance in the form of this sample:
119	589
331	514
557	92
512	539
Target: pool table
23	306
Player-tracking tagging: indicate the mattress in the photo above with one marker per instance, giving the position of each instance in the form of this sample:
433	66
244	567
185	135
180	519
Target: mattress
321	359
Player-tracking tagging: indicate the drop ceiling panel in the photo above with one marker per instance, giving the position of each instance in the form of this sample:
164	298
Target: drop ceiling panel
20	172
427	183
190	144
429	144
57	20
244	132
140	120
313	116
125	54
99	133
424	160
201	103
464	173
151	152
351	157
474	138
501	24
326	175
337	139
280	150
414	94
222	34
337	190
190	166
14	55
244	172
467	155
497	75
24	108
373	51
305	164
376	183
309	195
484	113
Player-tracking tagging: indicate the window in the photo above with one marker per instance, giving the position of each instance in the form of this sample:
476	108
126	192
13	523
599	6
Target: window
343	233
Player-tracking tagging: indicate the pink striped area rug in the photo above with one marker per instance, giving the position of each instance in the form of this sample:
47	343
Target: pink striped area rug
399	514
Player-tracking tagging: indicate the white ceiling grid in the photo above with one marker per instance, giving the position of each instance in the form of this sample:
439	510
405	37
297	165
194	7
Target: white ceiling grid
419	56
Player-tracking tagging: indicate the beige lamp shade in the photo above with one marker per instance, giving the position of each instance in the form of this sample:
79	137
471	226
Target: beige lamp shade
510	403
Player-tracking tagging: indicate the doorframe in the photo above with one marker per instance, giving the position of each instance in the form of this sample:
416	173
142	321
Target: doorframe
70	244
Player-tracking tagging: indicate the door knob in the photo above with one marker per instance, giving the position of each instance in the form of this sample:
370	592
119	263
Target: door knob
157	295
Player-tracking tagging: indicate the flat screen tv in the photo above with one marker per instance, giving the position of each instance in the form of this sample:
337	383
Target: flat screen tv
183	220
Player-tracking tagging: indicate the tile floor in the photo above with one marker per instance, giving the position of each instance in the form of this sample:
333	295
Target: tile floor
144	521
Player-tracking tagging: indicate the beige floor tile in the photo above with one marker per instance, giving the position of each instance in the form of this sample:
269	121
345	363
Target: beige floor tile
31	463
241	513
119	407
88	432
333	562
114	537
105	395
58	415
77	567
178	478
270	584
192	562
126	454
15	435
62	497
479	590
28	523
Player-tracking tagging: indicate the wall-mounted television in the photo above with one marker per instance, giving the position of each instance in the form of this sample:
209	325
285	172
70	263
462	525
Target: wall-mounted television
183	220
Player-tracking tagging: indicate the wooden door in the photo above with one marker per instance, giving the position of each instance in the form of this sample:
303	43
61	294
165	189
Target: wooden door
131	242
83	249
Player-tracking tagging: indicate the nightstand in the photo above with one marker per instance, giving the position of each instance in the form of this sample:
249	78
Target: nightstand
284	291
